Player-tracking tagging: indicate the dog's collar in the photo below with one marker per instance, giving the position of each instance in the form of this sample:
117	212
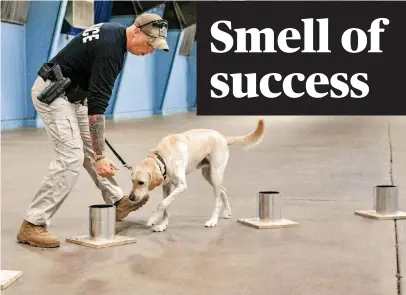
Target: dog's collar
163	163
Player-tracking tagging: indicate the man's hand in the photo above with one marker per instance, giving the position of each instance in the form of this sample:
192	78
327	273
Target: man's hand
105	167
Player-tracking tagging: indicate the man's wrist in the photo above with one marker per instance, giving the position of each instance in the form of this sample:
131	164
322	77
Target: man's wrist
96	155
99	157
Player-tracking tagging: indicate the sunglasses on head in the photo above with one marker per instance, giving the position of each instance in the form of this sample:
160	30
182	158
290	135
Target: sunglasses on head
160	24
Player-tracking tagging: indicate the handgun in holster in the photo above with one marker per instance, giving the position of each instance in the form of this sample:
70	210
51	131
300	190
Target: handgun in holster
58	85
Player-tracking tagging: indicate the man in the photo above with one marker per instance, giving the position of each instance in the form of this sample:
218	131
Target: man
75	120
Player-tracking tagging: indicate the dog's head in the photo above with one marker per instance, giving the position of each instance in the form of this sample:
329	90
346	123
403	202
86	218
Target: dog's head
145	177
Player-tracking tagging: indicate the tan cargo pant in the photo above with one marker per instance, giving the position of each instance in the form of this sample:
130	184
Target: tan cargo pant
67	125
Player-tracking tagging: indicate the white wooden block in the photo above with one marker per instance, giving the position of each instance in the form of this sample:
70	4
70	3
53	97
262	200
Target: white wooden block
259	224
374	215
86	241
8	277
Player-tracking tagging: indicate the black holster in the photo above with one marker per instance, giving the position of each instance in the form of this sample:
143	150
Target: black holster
58	85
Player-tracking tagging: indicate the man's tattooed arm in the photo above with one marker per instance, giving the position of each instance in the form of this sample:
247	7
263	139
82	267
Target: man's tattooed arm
96	126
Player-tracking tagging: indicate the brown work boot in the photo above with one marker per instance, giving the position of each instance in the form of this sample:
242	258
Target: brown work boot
36	235
125	206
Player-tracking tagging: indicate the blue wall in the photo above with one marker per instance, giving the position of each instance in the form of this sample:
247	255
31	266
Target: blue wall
13	73
135	95
192	76
176	90
42	17
162	83
23	50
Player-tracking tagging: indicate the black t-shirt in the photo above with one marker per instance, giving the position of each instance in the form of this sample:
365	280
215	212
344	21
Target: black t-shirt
93	60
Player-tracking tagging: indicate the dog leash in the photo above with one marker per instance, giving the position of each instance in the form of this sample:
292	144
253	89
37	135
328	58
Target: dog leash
118	156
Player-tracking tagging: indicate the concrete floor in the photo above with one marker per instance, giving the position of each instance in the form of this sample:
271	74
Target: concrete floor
324	167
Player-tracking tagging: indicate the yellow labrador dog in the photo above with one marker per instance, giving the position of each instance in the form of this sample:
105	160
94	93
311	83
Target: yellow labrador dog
176	156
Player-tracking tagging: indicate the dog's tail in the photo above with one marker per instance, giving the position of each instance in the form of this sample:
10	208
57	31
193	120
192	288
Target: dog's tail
250	140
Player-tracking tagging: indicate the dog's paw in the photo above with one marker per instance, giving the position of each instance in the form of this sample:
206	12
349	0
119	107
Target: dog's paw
227	214
210	223
151	221
160	227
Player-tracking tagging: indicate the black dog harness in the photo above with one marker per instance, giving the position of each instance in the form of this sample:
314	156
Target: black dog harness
163	163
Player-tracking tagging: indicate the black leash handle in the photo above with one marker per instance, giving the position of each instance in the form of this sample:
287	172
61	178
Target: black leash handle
117	155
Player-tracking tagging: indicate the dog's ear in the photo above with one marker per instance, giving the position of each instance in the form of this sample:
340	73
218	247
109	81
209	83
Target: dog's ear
156	179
